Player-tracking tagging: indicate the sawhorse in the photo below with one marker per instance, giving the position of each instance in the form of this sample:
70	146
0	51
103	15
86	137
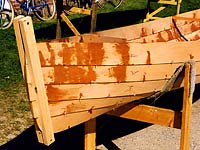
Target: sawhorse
165	3
154	115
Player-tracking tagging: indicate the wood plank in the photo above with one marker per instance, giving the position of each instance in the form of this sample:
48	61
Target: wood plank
90	134
108	74
187	110
132	32
64	122
171	34
149	114
75	106
32	56
57	93
117	53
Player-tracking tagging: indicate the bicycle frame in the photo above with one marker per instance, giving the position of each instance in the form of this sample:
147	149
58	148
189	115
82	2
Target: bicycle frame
27	6
2	4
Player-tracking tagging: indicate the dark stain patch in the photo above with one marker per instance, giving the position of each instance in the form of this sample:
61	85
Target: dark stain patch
55	94
42	60
74	74
96	53
143	32
191	56
91	109
52	54
148	61
80	95
88	53
123	50
144	77
119	72
83	54
67	54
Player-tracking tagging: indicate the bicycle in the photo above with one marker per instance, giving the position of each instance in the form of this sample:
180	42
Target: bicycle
88	3
44	10
6	14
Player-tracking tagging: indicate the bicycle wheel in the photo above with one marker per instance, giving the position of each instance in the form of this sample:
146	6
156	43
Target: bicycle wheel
44	9
114	3
6	15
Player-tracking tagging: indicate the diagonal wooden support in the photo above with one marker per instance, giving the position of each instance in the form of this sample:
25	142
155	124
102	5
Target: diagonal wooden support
165	3
68	22
166	117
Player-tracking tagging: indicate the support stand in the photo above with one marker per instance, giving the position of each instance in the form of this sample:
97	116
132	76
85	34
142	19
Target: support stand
155	115
165	3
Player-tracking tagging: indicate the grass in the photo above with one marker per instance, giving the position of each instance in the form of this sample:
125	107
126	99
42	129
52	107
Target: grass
15	113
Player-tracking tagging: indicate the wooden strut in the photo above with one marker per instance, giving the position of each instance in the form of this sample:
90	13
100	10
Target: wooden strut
151	15
79	11
33	74
165	117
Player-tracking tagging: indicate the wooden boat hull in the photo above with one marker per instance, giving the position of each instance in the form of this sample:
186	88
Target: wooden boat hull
89	79
89	75
107	69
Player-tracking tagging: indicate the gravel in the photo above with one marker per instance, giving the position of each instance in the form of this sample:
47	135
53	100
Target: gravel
157	137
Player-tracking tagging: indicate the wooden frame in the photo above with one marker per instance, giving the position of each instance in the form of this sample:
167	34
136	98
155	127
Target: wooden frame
165	3
165	117
46	125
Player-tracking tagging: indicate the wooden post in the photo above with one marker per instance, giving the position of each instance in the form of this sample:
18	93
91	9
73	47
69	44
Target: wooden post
90	134
59	10
187	111
93	17
27	45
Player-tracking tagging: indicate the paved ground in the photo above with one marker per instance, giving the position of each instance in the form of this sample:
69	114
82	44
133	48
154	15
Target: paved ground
156	137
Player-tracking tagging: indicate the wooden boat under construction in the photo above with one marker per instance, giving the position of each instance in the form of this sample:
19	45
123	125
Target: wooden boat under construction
75	79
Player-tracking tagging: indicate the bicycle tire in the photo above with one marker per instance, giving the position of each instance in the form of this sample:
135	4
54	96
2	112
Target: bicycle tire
6	16
114	3
45	9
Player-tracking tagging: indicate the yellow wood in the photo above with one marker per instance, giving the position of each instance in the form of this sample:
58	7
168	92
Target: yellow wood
76	106
149	114
187	111
80	10
150	16
90	135
109	54
169	2
160	30
33	62
19	42
27	77
68	22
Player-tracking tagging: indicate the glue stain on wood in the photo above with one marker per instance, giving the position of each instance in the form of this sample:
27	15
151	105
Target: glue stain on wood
74	74
191	56
55	94
148	61
119	72
52	54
